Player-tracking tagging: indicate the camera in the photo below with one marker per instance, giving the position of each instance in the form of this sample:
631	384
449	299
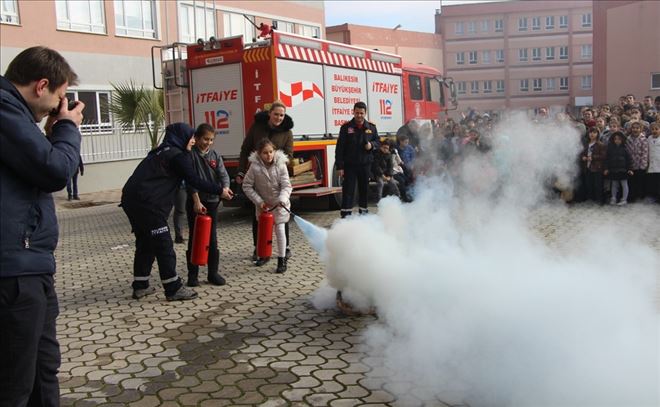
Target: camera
72	105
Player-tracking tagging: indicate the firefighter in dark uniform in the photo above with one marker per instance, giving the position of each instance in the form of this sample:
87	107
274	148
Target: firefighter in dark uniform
357	140
148	197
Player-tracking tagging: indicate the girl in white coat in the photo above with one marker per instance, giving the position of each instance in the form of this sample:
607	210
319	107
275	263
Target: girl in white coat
268	186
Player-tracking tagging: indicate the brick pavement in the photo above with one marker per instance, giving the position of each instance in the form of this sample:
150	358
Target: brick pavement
256	341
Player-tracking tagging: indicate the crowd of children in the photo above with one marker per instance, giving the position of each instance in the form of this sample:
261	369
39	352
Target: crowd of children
620	159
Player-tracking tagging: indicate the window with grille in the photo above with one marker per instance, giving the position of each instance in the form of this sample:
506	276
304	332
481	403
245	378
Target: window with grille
499	86
522	24
135	18
499	26
485	57
550	84
536	54
585	81
9	12
522	54
586	20
499	55
488	86
524	85
537	85
474	87
458	28
80	15
199	22
473	57
563	52
563	21
563	83
536	23
550	53
460	58
549	22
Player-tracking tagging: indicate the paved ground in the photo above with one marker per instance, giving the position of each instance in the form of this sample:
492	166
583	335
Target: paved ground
256	341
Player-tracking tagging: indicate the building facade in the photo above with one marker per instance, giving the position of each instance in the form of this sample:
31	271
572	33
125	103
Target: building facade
110	42
519	54
626	49
414	47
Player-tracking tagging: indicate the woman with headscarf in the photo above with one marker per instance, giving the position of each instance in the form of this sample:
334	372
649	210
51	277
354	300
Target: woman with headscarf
148	197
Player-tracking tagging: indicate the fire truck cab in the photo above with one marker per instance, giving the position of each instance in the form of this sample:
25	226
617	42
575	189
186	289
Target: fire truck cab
224	82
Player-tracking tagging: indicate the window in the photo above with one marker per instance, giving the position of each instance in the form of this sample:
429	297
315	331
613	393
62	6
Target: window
473	57
586	20
563	52
460	58
563	83
536	23
499	86
524	85
499	55
549	22
550	84
236	24
522	54
550	53
474	87
536	54
135	18
585	81
415	83
655	80
460	89
537	85
485	57
471	27
585	51
97	109
458	28
499	26
522	24
9	12
485	26
563	21
285	26
196	22
310	31
80	15
488	86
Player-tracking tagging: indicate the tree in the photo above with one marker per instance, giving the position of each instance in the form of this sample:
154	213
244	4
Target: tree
136	106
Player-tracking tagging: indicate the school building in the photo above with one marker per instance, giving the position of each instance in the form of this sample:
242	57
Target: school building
110	42
519	54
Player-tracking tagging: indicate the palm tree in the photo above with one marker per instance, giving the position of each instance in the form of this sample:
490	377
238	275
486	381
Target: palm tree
136	106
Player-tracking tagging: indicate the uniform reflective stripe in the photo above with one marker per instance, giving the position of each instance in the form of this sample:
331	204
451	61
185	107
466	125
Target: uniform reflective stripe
170	280
136	278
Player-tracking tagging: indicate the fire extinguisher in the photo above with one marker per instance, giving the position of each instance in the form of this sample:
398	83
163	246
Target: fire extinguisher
265	234
201	240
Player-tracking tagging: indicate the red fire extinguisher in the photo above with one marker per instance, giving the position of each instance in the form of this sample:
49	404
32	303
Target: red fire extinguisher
201	240
265	234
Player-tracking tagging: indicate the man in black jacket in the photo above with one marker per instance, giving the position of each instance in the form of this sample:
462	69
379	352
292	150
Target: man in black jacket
353	157
148	197
32	166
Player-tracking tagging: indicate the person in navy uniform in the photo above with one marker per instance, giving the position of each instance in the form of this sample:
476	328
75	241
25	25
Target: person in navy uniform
357	140
147	199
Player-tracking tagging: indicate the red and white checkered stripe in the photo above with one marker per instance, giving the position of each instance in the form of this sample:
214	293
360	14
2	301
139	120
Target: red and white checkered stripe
331	58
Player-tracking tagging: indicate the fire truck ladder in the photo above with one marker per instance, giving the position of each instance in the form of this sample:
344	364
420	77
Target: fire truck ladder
173	74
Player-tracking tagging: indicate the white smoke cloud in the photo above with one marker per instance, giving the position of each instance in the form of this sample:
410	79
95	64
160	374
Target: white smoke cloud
475	305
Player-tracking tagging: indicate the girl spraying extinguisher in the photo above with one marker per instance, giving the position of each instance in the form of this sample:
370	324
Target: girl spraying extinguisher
268	186
209	167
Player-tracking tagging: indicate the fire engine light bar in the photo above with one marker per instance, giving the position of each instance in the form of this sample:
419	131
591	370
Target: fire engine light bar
385	58
346	51
300	42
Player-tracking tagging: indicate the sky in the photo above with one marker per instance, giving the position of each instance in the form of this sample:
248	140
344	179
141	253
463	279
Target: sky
412	15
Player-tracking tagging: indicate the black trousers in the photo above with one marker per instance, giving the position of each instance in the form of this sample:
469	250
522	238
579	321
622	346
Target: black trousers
593	182
352	175
653	185
636	185
152	242
29	351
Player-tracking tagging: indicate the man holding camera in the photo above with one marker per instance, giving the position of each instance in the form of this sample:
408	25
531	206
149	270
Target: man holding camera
32	166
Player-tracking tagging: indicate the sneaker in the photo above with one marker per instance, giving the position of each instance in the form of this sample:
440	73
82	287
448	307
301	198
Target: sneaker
287	253
178	239
261	261
76	197
623	203
182	294
143	292
612	201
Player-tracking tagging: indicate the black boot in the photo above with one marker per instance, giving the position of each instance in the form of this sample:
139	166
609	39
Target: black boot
214	260
193	271
281	265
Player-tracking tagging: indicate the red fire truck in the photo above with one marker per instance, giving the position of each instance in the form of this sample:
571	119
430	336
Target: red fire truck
225	82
